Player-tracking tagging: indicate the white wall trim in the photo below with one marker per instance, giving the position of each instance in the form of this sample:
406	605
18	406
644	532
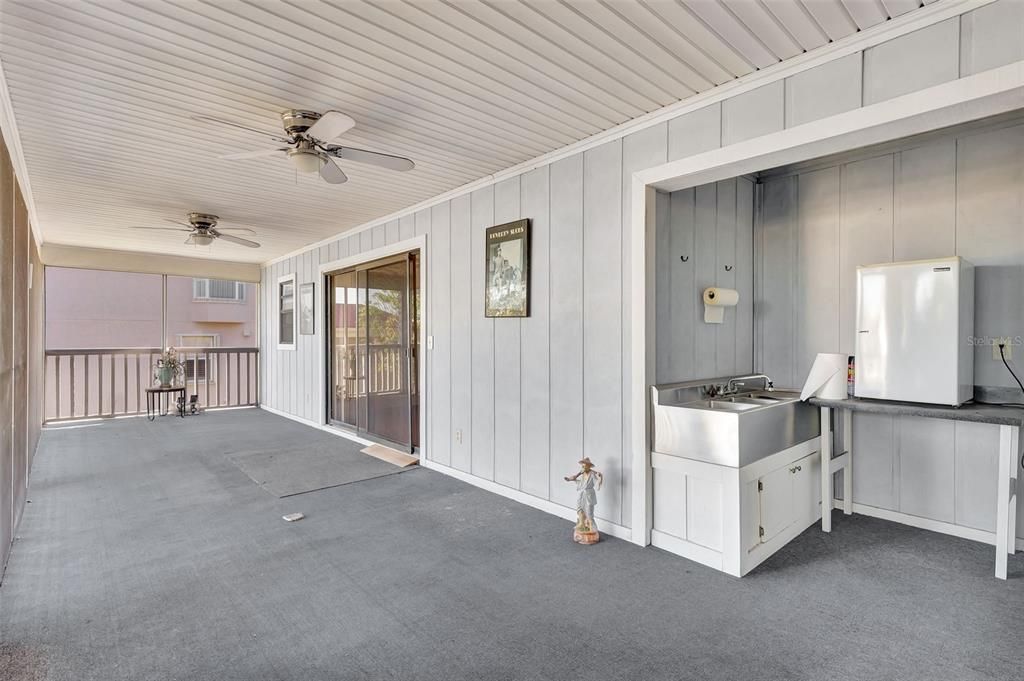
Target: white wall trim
942	527
888	30
9	130
284	278
415	243
604	526
970	98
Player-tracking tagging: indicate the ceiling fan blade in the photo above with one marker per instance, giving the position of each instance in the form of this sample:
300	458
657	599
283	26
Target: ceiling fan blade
372	157
234	239
236	229
164	229
332	124
331	173
218	121
179	223
252	154
189	241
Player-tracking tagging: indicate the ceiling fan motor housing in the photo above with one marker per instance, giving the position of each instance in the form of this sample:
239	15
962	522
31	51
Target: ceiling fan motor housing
202	221
296	122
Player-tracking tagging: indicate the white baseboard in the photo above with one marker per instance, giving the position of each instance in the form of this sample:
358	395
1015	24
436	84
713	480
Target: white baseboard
319	426
551	507
940	526
515	495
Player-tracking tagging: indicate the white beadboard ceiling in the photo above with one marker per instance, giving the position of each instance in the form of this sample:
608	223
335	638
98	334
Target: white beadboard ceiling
103	91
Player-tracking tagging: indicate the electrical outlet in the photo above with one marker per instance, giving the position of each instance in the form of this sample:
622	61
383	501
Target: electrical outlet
1007	349
458	436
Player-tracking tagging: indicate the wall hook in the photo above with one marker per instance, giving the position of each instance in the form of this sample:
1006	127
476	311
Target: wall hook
684	258
728	268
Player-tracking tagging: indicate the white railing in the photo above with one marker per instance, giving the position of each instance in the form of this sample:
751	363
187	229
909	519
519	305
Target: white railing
104	382
385	369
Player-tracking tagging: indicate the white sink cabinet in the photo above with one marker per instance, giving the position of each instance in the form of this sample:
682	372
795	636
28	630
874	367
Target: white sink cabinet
730	518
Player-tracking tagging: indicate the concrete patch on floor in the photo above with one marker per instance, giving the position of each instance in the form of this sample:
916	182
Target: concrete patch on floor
287	472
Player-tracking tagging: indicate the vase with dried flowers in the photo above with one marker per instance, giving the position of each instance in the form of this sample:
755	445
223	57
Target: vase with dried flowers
168	368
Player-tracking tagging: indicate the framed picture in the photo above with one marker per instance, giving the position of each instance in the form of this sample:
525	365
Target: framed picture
507	284
306	296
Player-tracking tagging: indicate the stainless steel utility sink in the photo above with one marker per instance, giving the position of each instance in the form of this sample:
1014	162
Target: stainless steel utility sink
733	430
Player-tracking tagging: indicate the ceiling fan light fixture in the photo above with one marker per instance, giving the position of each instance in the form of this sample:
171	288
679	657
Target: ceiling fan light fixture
305	161
202	239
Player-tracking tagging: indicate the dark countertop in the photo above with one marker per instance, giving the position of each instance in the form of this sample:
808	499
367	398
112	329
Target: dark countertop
977	413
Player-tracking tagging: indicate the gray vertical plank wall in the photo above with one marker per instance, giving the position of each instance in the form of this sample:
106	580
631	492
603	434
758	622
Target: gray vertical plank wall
439	385
711	226
640	150
535	387
507	361
962	194
529	397
462	314
566	310
482	388
602	317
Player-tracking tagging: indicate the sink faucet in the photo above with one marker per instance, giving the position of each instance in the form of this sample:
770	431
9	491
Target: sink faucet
731	387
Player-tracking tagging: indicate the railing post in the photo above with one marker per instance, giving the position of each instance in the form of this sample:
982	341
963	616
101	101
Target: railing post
138	383
72	386
56	361
206	371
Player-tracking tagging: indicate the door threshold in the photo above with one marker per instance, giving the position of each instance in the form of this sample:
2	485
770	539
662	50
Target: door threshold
392	456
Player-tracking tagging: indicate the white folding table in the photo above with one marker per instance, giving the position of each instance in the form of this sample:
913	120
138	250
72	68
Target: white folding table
1008	419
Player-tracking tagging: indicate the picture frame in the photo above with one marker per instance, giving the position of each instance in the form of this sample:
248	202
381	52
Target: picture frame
507	270
307	297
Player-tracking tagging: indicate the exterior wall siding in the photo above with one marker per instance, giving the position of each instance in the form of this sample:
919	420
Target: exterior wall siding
21	353
521	415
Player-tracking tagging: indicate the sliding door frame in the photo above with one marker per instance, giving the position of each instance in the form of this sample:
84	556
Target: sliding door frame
323	319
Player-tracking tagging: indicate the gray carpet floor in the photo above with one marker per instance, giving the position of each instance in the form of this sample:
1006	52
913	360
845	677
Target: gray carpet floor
286	471
147	555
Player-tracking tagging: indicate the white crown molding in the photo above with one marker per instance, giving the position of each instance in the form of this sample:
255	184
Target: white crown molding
9	129
893	28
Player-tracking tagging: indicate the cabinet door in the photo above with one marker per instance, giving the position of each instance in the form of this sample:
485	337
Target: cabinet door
806	489
776	501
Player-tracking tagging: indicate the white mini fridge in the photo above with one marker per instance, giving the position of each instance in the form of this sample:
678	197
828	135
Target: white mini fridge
915	322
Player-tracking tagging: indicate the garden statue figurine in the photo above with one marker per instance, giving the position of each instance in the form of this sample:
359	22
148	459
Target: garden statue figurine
588	480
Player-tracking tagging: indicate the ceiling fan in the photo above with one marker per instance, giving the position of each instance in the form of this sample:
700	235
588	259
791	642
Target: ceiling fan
306	141
202	230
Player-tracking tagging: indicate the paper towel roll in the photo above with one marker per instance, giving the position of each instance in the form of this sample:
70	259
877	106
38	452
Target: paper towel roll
827	378
715	302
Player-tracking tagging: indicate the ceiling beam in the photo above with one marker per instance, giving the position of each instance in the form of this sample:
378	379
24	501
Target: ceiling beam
56	255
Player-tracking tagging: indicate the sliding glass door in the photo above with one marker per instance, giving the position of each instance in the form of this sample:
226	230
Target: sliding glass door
375	324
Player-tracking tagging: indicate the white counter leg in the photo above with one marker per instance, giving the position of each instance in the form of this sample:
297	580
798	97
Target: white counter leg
826	470
848	469
1011	506
1007	454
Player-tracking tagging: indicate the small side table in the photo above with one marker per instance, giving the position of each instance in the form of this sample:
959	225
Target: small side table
153	401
